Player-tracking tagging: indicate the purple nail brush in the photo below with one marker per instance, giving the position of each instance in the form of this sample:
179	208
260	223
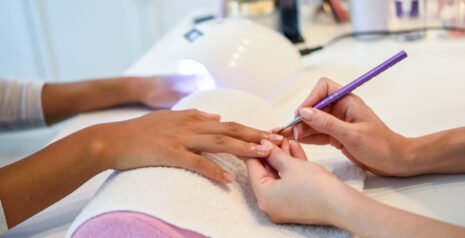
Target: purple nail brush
353	85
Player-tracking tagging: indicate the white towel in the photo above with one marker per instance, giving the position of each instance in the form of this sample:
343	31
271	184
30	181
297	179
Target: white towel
188	200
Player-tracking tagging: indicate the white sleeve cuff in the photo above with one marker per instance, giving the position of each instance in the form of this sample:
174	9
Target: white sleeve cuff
21	104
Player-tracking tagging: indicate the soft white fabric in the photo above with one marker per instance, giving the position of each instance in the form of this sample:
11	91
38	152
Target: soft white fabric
20	104
188	200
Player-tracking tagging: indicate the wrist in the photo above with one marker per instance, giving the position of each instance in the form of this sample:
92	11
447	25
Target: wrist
132	88
343	204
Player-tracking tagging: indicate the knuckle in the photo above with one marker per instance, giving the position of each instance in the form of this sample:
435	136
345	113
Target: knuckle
219	139
232	126
327	123
192	112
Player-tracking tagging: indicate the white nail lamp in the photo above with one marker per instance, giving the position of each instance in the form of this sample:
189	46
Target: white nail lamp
240	54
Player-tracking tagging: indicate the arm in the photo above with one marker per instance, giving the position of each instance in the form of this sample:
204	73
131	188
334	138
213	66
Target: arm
63	100
36	182
441	152
162	138
351	126
307	193
367	217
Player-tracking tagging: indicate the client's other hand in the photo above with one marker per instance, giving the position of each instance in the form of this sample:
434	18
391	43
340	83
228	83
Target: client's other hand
163	91
304	192
175	139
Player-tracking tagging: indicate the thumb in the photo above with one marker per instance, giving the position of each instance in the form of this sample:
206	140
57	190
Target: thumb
325	122
278	159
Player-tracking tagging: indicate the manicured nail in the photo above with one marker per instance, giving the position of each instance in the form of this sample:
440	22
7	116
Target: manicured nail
276	137
267	143
296	133
306	113
262	148
229	177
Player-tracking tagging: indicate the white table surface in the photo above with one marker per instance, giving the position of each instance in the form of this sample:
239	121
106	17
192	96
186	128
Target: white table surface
421	95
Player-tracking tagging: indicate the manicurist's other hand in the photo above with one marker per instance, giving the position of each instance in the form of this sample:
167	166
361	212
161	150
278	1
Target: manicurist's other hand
175	139
351	126
290	189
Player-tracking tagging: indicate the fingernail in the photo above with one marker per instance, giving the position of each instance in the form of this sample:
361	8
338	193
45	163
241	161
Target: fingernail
306	113
262	148
276	137
267	143
296	133
229	177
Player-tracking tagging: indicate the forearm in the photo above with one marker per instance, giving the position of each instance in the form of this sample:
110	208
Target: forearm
367	217
36	182
442	152
63	100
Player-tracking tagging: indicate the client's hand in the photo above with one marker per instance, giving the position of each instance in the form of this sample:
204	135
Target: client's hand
351	126
304	192
175	139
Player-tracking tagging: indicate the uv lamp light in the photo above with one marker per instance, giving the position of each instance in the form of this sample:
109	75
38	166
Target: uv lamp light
239	54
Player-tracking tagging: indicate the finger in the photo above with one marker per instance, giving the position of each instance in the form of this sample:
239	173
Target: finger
238	131
323	89
224	144
297	151
303	130
325	123
285	146
206	168
278	158
316	139
258	175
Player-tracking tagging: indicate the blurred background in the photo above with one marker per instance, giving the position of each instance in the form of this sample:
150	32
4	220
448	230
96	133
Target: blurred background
65	40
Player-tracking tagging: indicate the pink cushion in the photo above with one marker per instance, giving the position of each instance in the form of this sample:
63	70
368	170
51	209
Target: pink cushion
130	224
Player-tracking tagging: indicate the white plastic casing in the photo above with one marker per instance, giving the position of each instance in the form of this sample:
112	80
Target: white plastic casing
241	54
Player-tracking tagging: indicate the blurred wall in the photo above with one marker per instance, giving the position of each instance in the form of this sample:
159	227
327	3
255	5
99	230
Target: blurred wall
63	40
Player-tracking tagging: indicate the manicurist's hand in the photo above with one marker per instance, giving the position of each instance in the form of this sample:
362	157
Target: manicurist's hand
291	189
351	126
303	192
175	139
